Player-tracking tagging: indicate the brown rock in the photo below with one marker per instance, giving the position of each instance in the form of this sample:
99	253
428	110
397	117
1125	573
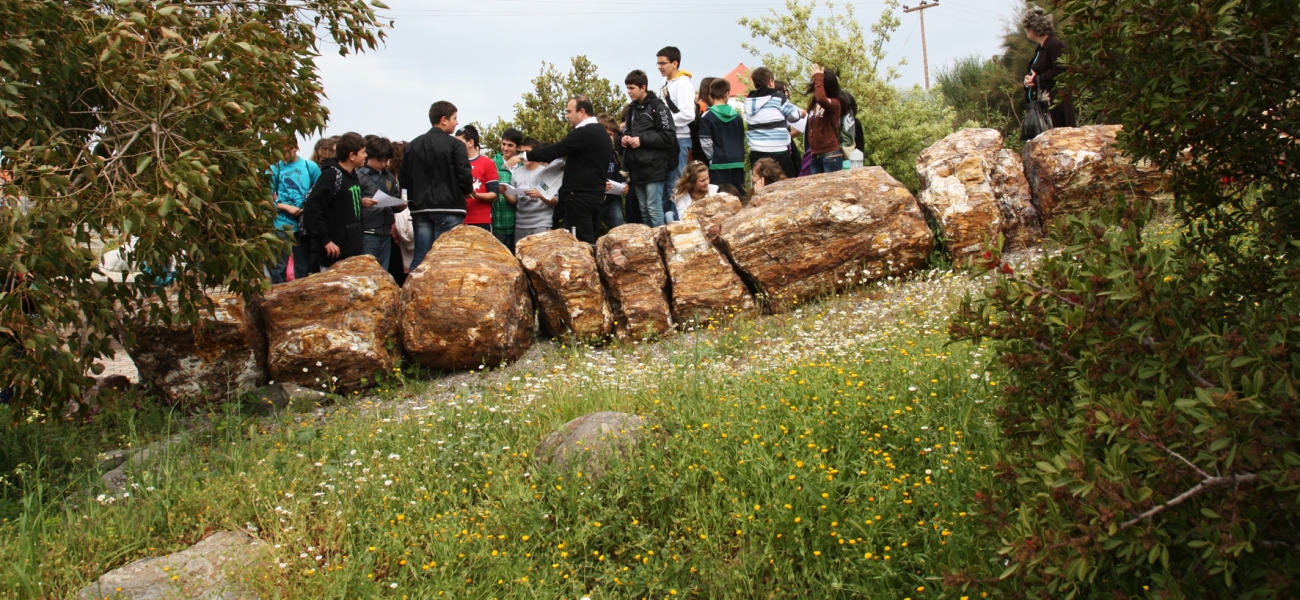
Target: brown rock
711	211
1074	169
220	356
634	271
332	329
958	175
570	296
1021	225
704	286
467	304
836	230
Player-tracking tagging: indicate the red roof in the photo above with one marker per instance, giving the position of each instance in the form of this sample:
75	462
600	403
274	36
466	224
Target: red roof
737	88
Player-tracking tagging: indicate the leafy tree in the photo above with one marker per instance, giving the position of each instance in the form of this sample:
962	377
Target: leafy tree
540	112
896	124
150	120
1152	382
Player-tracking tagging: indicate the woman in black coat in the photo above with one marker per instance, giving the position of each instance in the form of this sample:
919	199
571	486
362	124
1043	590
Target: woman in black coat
1047	66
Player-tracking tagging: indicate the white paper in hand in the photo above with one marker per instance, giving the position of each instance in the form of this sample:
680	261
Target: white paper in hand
386	201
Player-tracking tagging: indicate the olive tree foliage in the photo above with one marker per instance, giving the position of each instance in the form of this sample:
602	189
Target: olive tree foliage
540	112
1152	379
896	124
149	126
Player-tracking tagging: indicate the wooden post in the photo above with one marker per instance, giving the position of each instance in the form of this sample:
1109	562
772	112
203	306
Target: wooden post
925	56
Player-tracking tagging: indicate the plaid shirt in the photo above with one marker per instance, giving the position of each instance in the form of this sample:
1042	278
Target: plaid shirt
503	213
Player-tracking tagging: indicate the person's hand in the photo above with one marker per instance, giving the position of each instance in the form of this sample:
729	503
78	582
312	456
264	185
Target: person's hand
1029	79
635	142
759	183
331	250
514	161
534	194
626	141
609	185
816	69
369	202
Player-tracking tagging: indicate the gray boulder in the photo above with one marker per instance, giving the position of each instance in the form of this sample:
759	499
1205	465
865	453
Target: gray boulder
587	443
208	570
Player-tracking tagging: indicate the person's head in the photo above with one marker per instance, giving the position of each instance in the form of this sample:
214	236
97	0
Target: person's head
768	171
1037	23
469	135
379	150
830	83
610	124
350	150
727	188
720	90
636	83
324	150
669	61
395	165
510	140
694	181
579	109
705	94
443	116
762	77
290	154
529	143
782	88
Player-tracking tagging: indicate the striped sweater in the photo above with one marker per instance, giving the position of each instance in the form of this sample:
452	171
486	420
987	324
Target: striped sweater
768	114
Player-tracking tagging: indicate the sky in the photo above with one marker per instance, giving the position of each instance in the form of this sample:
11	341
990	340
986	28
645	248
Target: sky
482	55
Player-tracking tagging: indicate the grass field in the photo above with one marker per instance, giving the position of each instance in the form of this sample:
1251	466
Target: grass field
828	453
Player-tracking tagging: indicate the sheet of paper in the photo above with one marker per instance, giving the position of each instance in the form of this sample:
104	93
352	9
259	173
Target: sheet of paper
800	125
386	201
615	187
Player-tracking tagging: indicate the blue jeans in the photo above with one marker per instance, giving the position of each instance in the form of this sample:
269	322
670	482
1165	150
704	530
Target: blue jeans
683	154
828	163
612	214
378	246
651	197
428	228
281	266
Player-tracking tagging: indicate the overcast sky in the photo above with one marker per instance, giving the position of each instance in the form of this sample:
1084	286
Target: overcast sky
482	54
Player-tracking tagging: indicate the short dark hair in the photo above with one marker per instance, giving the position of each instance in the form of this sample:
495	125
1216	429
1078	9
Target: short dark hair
584	104
349	143
378	147
440	110
672	54
531	142
637	78
720	89
512	135
727	188
762	77
469	133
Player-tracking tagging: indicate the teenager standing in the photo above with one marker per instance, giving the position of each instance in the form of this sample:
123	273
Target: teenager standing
535	212
435	172
334	204
824	124
649	148
478	204
291	180
722	136
769	113
377	222
504	210
679	95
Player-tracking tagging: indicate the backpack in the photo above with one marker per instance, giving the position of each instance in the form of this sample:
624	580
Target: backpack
844	134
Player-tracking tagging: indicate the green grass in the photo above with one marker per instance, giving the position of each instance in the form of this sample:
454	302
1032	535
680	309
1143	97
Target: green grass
829	453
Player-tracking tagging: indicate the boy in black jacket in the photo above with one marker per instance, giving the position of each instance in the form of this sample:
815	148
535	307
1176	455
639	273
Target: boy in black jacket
436	175
334	204
649	146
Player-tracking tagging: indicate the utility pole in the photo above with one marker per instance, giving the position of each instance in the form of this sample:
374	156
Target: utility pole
925	57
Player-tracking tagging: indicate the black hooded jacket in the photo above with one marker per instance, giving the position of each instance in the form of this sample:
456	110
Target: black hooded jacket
436	174
649	120
333	208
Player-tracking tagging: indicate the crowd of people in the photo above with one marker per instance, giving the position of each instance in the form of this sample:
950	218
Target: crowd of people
667	149
663	152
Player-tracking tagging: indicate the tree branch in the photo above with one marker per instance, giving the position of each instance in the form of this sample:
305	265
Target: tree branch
1205	485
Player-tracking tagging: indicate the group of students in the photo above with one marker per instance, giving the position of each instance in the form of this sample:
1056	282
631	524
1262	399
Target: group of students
368	195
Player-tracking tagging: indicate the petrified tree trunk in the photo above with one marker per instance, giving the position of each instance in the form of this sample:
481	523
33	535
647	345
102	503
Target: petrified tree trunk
1076	169
570	295
629	260
704	286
